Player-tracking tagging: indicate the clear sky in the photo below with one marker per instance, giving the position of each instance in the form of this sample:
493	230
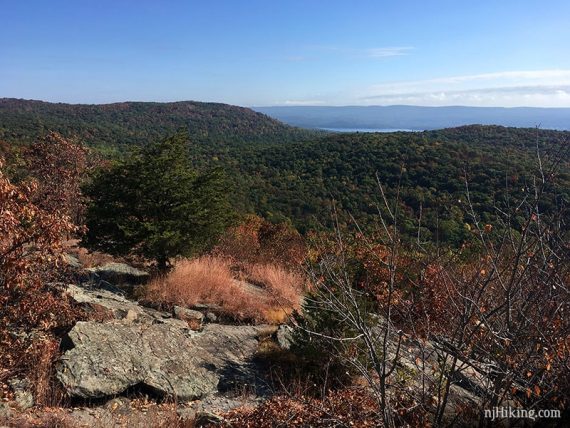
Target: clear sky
288	52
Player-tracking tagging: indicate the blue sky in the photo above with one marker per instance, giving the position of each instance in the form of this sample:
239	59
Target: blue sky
288	52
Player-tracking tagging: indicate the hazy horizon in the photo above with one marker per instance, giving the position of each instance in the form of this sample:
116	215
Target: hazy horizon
285	105
354	118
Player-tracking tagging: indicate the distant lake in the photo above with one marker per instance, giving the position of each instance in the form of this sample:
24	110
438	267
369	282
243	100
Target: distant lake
369	130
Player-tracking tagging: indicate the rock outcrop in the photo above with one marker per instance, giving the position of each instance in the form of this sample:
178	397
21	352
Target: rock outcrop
189	315
142	347
23	397
185	355
120	273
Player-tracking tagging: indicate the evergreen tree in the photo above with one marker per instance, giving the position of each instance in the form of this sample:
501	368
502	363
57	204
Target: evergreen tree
156	205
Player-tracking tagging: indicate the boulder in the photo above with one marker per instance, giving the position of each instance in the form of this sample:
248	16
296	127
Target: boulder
105	359
191	316
120	273
209	310
284	336
23	397
114	306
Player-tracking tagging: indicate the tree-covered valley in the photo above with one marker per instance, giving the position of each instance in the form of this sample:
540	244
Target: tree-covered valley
285	173
430	169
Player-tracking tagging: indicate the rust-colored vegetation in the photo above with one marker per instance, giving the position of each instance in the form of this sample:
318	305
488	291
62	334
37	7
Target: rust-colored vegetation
253	274
34	222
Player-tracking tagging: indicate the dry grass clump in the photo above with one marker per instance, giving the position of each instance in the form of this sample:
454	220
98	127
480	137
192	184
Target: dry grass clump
203	280
262	292
283	287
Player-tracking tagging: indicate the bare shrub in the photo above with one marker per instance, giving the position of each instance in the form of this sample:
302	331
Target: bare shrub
494	310
507	311
257	241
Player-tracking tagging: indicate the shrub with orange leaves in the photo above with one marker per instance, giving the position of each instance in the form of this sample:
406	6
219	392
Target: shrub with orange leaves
419	300
256	240
58	167
31	239
30	236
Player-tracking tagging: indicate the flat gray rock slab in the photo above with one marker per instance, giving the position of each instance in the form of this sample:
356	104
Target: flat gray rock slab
108	358
120	273
118	306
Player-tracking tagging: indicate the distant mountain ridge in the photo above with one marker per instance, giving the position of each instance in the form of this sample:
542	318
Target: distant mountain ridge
418	118
121	124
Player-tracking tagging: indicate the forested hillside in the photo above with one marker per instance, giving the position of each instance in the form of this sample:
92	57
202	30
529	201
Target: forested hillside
431	169
282	172
475	228
121	124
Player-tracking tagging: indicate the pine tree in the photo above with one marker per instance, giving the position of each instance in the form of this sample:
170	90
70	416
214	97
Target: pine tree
156	205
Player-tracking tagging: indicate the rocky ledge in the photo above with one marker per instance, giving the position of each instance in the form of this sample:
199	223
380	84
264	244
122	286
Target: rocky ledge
138	347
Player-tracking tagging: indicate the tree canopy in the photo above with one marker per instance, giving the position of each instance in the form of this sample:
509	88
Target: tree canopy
112	128
155	204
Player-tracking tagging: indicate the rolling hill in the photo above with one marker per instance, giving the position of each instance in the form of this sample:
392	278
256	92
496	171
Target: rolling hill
121	124
298	180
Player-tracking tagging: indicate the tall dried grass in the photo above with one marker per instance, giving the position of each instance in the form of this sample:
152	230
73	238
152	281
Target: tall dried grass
264	292
43	355
203	280
283	286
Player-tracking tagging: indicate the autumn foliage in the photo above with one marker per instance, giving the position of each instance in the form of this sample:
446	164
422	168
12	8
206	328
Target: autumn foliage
35	219
258	241
347	407
58	166
501	306
30	238
254	273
